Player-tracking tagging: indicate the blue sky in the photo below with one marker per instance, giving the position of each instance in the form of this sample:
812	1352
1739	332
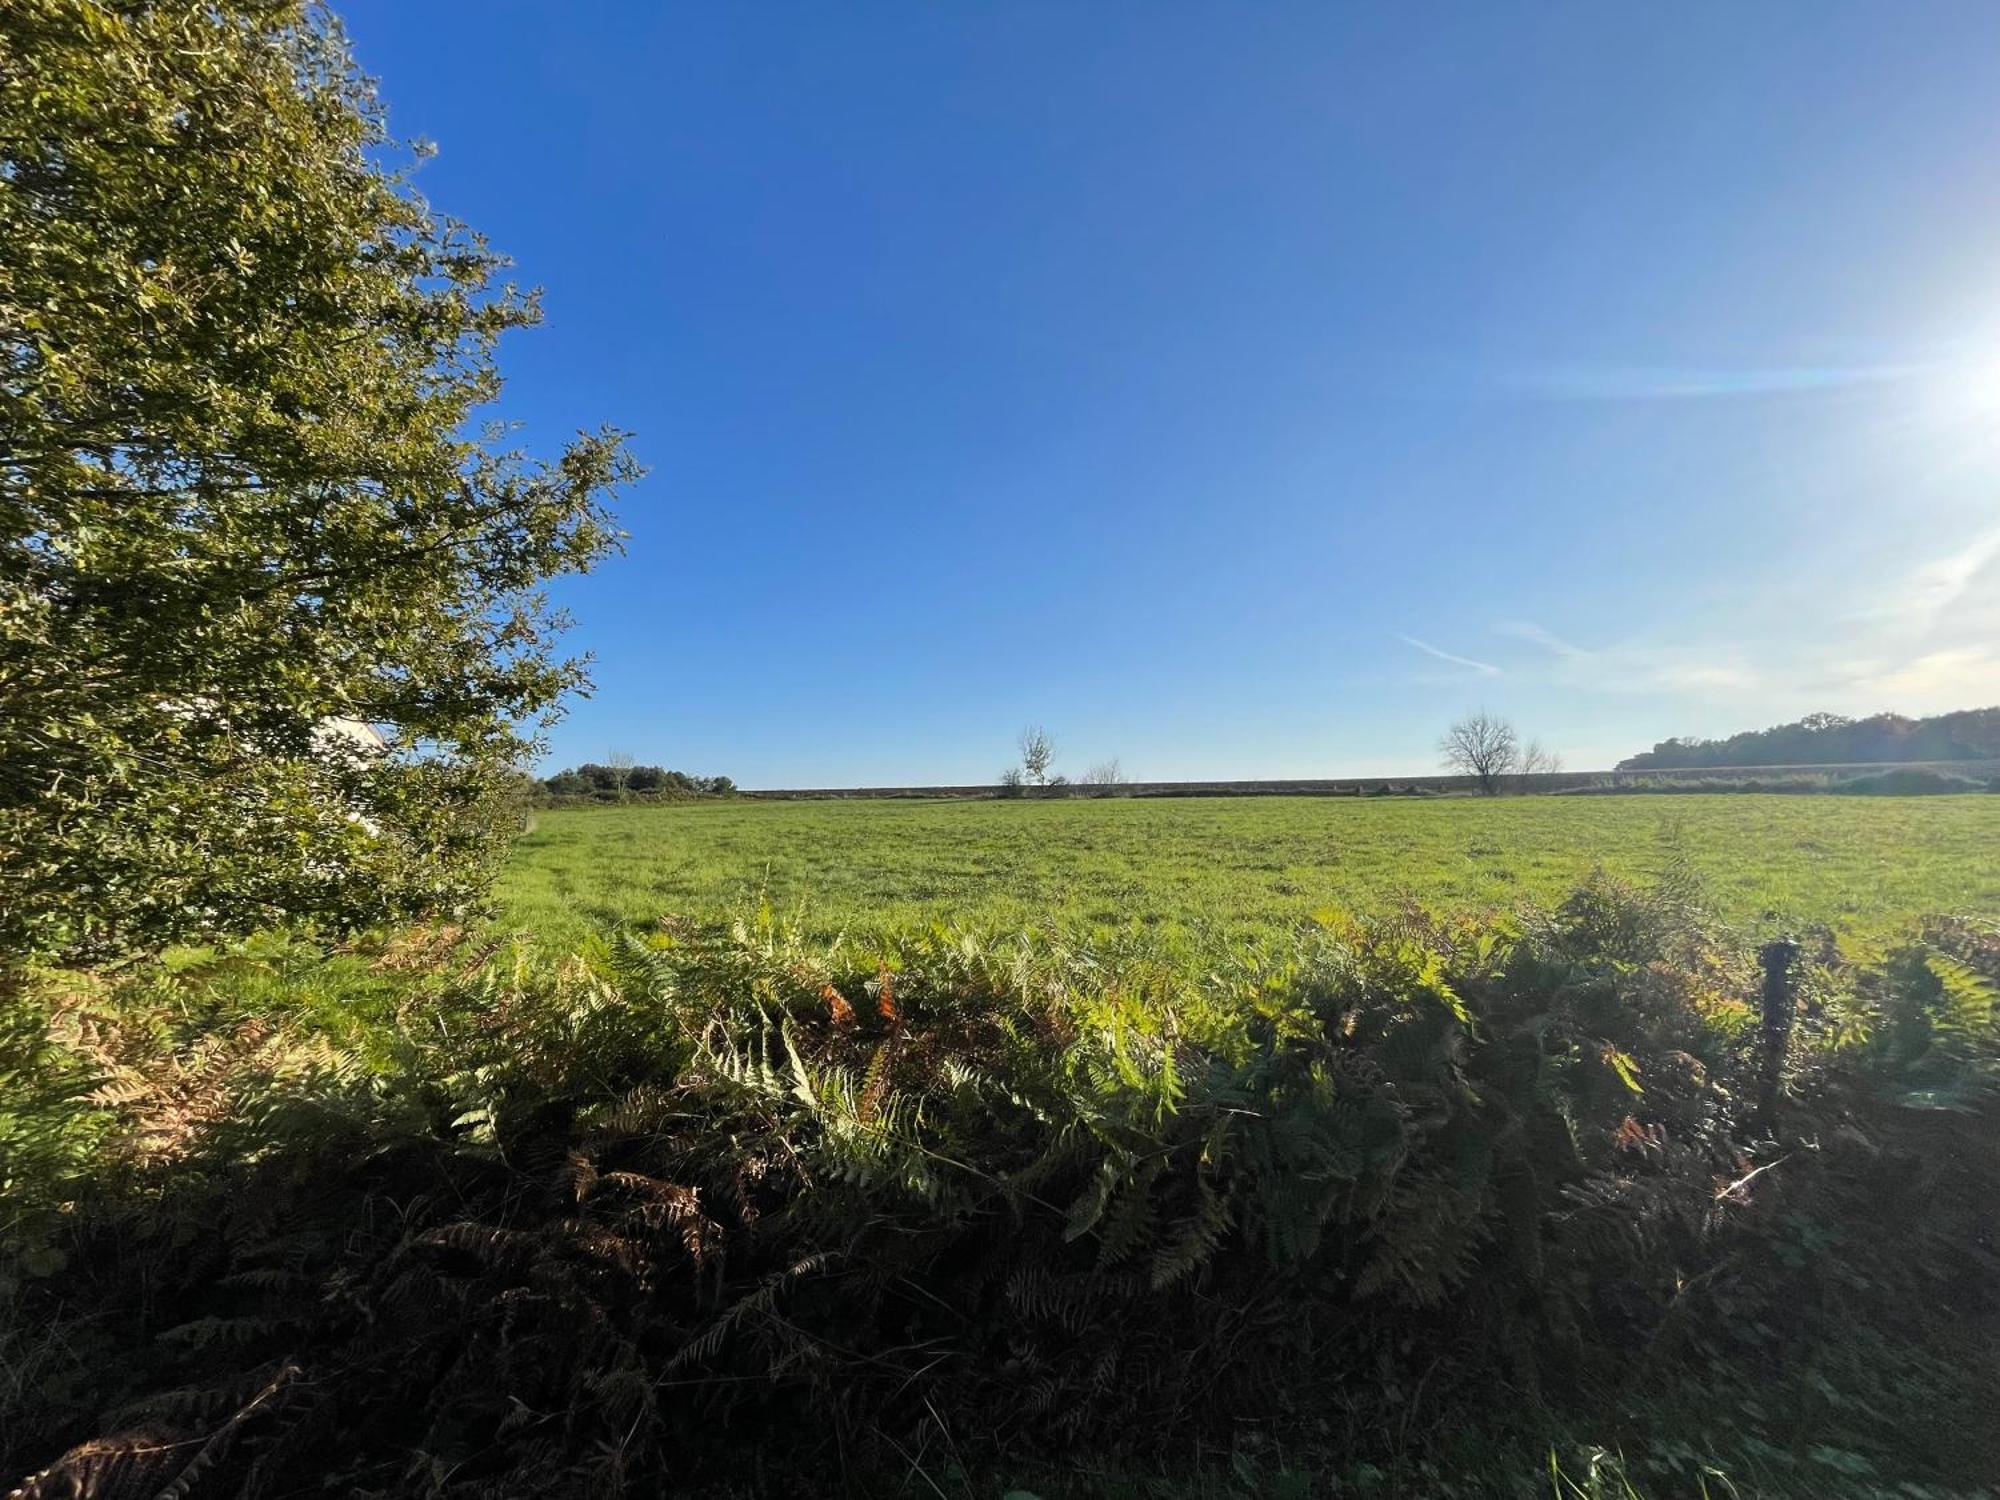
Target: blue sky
1244	390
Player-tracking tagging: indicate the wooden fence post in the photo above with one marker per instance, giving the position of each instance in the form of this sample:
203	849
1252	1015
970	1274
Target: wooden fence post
1778	1008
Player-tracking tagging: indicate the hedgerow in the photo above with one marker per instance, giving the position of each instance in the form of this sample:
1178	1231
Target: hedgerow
733	1210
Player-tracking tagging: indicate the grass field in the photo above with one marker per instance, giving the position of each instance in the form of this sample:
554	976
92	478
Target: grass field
1229	1197
1193	866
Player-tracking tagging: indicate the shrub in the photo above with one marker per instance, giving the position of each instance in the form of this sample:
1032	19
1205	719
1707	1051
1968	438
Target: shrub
1805	784
587	1228
631	783
1908	782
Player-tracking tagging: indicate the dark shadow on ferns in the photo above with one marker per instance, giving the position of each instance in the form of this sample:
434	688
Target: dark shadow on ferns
1385	1189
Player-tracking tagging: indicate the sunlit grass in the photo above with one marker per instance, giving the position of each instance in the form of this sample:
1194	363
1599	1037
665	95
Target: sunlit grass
1188	867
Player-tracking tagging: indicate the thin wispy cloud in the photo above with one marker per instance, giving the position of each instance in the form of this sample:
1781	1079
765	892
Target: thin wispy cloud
1648	671
1707	677
1609	382
1633	667
1548	640
1942	582
1917	601
1956	678
1482	668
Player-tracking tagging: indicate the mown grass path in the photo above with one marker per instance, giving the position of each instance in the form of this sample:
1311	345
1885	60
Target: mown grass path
1239	866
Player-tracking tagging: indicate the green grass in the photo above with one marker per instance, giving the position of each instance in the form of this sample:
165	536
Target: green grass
287	1131
1189	867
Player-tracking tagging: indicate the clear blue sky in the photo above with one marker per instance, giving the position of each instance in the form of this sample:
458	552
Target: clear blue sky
1244	390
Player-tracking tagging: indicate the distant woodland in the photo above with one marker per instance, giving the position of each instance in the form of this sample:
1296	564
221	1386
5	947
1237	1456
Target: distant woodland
631	783
1835	740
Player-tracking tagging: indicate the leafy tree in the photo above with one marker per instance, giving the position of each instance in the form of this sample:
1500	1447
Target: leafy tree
1038	753
567	784
1832	739
1483	746
243	493
621	778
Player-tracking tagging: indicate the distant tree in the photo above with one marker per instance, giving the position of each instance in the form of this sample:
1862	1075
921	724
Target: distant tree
1012	781
617	782
1482	746
1537	761
245	491
1038	754
1106	773
621	763
1834	739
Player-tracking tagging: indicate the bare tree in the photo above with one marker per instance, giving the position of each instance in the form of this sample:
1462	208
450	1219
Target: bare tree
1011	782
1038	753
1483	746
622	761
1106	773
1536	761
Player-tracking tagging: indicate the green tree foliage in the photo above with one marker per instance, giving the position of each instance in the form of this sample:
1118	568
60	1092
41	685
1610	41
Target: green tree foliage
1833	740
1038	754
243	491
632	783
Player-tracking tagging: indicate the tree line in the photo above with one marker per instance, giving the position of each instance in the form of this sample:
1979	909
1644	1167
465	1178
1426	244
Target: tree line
1834	739
617	782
